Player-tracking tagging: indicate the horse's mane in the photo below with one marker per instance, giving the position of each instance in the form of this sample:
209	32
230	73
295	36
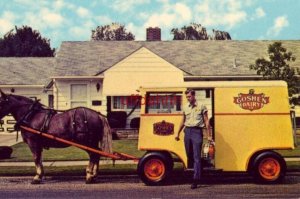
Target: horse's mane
27	100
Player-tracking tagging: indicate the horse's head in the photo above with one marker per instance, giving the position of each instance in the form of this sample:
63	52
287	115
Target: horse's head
8	103
5	107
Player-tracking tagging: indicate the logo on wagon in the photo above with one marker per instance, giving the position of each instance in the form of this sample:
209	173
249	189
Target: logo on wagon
163	128
251	101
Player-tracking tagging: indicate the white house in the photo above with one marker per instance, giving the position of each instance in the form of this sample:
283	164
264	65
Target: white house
101	74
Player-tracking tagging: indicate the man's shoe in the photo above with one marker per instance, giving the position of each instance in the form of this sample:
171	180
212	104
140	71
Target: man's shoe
194	185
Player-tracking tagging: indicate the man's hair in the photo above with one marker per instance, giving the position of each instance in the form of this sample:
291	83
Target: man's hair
190	91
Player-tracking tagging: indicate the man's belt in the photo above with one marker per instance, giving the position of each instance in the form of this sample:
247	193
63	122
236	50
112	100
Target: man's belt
194	127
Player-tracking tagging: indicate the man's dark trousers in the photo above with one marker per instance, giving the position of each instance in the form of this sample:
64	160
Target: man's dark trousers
193	136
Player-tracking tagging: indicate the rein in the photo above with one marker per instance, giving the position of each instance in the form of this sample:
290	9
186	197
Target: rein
22	120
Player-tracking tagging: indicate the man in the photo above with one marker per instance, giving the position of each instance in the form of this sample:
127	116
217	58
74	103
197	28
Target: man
194	120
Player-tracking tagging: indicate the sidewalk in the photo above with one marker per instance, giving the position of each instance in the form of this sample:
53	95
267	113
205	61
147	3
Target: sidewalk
65	163
9	139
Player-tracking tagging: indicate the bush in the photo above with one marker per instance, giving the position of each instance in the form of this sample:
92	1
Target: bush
5	152
135	123
117	119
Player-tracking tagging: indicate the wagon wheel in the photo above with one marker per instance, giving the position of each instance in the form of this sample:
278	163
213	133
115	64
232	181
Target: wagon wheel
154	168
269	168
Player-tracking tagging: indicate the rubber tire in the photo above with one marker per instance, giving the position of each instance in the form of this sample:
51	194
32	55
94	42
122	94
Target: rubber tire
161	157
276	158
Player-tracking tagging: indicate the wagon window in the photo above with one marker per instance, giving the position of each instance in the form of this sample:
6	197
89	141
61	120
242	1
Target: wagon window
169	102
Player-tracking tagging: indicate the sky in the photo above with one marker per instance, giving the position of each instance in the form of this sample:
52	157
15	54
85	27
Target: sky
73	20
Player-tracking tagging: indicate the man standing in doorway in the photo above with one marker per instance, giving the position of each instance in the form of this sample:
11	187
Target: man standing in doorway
194	120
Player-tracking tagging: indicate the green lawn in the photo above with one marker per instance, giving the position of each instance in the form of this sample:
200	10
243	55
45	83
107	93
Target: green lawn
291	153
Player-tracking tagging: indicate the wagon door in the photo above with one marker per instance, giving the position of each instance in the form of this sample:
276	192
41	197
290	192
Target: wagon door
161	113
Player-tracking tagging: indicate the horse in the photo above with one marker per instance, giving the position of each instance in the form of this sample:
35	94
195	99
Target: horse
80	125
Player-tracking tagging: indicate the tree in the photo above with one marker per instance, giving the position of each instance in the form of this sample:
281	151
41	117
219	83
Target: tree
277	67
25	42
198	32
115	31
220	35
192	32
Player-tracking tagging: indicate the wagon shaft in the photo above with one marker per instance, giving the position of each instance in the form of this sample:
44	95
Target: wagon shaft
115	156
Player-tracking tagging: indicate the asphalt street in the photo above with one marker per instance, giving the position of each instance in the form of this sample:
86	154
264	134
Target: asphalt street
129	186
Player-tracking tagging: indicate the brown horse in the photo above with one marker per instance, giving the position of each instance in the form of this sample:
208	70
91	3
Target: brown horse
80	125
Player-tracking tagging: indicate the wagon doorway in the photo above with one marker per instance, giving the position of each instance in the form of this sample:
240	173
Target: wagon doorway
206	98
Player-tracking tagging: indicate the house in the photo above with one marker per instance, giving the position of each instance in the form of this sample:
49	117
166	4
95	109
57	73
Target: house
104	75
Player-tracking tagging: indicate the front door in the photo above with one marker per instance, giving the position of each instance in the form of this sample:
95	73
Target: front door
79	93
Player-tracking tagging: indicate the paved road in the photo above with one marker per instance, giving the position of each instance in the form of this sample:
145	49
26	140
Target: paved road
129	186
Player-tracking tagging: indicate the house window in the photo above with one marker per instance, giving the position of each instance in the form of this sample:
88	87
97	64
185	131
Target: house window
33	98
118	102
125	102
50	101
132	102
207	93
78	95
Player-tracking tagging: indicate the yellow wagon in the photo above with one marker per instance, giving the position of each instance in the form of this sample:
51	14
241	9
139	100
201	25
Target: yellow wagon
250	120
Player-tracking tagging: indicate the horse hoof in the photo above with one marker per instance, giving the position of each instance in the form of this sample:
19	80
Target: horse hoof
36	182
90	181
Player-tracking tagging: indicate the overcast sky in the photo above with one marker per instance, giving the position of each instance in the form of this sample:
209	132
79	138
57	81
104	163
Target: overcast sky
73	20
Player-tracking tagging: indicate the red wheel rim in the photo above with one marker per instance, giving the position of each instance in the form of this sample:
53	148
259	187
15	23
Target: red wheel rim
269	169
154	169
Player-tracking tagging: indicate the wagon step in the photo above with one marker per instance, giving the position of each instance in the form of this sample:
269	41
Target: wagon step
207	169
212	169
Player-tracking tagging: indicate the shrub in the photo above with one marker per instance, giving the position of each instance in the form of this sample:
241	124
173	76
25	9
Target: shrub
5	152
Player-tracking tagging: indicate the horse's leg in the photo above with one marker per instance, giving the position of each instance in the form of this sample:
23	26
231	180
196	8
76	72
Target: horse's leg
92	168
95	168
89	172
36	151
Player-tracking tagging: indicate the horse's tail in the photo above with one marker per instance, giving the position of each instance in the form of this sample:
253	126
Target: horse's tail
106	144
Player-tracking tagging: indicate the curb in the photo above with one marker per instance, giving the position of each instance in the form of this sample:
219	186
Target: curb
65	163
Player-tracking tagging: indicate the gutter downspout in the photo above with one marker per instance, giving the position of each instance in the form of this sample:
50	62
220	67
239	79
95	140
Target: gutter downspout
55	91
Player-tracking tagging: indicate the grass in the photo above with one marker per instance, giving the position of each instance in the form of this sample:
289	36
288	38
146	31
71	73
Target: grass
22	153
291	153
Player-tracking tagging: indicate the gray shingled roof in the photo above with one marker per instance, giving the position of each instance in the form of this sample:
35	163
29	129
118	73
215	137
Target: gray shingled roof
204	58
26	71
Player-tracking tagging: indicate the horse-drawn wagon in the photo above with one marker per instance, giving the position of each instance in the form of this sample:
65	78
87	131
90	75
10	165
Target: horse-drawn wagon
250	120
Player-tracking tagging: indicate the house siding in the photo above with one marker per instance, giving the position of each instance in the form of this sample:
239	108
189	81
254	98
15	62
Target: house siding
62	94
141	68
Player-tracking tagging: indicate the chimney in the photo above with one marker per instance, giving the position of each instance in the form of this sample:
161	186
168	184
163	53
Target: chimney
153	34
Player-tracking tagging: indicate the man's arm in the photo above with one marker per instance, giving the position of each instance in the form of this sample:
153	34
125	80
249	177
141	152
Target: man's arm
180	128
207	125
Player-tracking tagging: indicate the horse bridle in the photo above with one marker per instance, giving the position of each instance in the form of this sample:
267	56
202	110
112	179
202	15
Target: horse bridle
26	115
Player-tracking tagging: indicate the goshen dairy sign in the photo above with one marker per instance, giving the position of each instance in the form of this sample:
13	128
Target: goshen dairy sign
251	101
